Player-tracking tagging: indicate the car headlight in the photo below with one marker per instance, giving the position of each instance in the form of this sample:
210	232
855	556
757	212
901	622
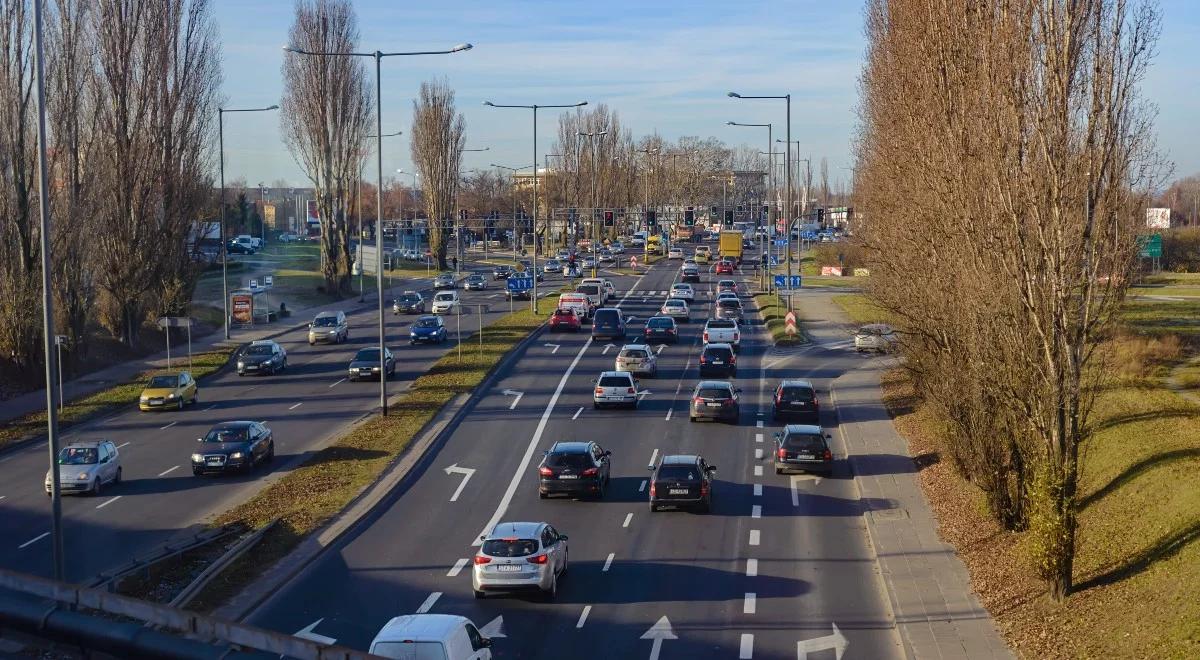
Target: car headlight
236	455
197	458
241	365
412	333
83	476
374	368
143	399
172	395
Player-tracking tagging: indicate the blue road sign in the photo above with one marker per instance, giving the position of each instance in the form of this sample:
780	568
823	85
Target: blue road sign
795	282
774	260
781	242
519	283
781	281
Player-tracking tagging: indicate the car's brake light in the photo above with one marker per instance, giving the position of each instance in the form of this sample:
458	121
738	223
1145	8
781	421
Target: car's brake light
706	335
590	472
651	489
480	559
545	471
703	359
736	336
630	391
828	455
703	488
599	390
538	559
781	453
732	359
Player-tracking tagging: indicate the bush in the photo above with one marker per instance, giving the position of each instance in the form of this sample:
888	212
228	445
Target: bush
1181	250
826	254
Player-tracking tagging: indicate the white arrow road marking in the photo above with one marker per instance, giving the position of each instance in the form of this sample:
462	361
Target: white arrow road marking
583	616
458	565
796	479
607	347
516	394
658	632
494	628
308	632
835	641
746	647
428	604
466	472
555	347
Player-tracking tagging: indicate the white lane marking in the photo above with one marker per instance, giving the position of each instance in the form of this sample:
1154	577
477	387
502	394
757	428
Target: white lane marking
428	604
758	453
556	347
494	295
32	541
758	437
758	470
168	471
758	490
653	456
642	486
164	428
583	616
517	400
749	603
751	568
502	506
107	502
308	632
746	647
669	411
628	517
339	381
755	537
123	444
577	412
759	424
458	566
756	511
608	563
209	408
296	406
465	472
3	496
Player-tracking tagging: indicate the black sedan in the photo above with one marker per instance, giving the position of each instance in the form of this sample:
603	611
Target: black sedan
233	447
574	468
261	357
502	272
409	302
366	364
661	329
682	481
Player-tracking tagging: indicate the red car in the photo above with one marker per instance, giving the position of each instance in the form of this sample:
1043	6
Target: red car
724	268
564	319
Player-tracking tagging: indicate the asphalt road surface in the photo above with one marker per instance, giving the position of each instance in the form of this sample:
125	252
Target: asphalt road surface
781	568
306	406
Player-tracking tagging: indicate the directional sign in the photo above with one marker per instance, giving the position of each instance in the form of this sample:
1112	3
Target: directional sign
781	242
1150	247
795	282
465	472
269	281
253	284
519	283
660	631
781	281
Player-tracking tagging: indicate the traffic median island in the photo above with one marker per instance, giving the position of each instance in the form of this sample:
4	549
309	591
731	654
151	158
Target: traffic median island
773	310
310	496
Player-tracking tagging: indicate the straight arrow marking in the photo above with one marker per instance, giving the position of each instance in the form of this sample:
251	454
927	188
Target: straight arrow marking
516	400
494	628
658	632
554	347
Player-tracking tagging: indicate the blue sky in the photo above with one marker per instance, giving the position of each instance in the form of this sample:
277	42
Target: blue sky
664	66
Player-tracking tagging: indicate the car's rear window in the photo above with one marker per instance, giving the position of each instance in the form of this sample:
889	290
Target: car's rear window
614	381
607	317
410	298
568	460
633	353
717	353
659	322
589	289
795	393
510	547
410	650
729	302
721	324
564	312
713	393
681	472
804	442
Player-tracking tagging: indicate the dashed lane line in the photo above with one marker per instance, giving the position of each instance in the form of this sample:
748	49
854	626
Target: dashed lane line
758	470
749	603
746	647
428	604
608	563
587	609
577	412
457	568
168	471
628	518
751	567
107	502
296	406
755	537
756	511
33	540
758	490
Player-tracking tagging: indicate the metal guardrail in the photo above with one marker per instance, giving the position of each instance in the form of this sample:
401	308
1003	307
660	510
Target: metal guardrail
189	592
203	537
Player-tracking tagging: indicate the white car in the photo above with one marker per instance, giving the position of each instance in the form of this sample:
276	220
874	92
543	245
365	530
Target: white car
723	331
447	636
676	308
615	388
617	247
445	302
637	359
606	289
877	337
726	295
519	556
675	253
85	467
683	291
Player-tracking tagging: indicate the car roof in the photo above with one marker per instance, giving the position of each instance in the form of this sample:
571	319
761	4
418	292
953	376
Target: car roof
615	373
420	627
680	459
714	383
87	444
796	382
803	428
526	530
571	447
322	315
239	424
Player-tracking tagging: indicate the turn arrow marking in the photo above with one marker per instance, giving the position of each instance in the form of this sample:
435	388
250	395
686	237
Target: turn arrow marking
494	628
307	633
796	479
608	347
516	394
660	631
554	346
466	472
836	641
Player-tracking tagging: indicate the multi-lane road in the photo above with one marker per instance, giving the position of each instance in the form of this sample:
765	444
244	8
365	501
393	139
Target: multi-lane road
781	567
305	406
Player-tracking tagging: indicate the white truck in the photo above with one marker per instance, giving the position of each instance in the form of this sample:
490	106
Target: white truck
723	331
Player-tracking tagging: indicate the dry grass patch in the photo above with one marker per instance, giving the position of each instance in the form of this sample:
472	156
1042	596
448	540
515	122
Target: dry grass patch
860	309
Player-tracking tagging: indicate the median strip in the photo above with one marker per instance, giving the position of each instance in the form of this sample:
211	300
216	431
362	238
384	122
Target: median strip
773	309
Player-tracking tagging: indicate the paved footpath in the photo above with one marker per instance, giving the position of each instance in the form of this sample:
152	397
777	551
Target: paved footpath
936	611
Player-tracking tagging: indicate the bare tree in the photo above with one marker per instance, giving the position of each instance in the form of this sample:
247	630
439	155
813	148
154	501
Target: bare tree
437	146
325	115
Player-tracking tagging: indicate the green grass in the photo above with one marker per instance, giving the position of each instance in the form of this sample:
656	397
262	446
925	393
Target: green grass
1161	317
307	497
860	309
124	395
773	310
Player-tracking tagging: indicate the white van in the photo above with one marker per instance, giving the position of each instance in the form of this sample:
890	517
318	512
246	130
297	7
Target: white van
577	303
431	637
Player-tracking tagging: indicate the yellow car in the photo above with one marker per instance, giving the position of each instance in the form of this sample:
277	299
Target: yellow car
702	254
169	391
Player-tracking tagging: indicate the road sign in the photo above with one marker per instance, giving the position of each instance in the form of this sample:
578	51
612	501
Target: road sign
633	262
774	260
789	323
519	283
269	281
781	281
253	284
781	242
1150	247
795	282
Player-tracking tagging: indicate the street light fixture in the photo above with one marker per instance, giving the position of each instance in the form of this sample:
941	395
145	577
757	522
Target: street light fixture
224	239
595	236
378	57
534	301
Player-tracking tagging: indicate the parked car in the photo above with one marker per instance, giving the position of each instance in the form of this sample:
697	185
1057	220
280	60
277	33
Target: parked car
617	388
518	556
234	247
440	636
715	399
262	356
877	337
169	390
662	329
564	318
637	359
86	467
409	302
329	327
682	481
445	302
366	364
803	447
718	360
233	447
574	468
796	399
429	328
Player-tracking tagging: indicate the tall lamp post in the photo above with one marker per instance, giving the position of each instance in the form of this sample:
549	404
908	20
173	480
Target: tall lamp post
788	159
595	236
378	57
534	301
224	239
358	207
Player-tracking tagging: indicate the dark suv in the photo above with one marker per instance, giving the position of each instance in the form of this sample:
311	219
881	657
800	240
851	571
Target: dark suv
718	360
797	399
574	468
717	400
682	481
803	447
610	323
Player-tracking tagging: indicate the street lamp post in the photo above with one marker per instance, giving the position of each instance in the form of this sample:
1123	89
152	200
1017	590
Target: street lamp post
378	57
534	301
788	160
595	236
224	239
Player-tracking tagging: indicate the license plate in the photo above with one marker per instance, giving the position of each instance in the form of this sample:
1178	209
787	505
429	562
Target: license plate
156	402
799	403
214	461
677	491
805	457
508	568
568	476
718	362
714	405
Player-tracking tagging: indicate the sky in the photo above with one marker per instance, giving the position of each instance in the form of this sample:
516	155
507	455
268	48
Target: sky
664	66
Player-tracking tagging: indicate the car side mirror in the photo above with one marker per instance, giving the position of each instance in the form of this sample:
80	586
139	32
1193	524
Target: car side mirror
650	467
483	537
712	468
486	643
828	437
607	453
562	537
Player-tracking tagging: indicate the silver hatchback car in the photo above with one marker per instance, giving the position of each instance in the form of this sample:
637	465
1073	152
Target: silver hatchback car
519	556
85	467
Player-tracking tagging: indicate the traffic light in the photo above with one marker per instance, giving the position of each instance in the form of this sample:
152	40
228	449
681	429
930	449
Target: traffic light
689	217
608	219
651	218
729	217
712	210
820	215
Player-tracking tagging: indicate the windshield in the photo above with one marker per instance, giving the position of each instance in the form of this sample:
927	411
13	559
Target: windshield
367	355
325	321
78	456
475	278
258	350
563	312
164	382
228	434
510	547
426	323
729	302
589	289
443	297
410	298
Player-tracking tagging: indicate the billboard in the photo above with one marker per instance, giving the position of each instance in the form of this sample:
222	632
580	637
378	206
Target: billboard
241	306
313	217
1158	218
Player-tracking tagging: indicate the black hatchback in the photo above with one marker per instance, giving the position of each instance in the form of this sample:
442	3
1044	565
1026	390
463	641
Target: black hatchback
682	481
803	447
797	399
574	468
718	360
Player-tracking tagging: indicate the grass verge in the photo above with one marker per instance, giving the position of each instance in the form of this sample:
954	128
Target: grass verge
859	308
310	495
83	409
773	310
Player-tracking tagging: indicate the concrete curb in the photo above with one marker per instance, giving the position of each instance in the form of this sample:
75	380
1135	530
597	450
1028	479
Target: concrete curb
433	434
